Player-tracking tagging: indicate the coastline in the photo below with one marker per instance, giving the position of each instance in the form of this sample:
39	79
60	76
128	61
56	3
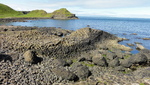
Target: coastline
32	18
68	56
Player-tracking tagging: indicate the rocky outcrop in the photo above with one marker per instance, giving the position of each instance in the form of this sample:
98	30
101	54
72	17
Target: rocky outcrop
49	42
63	13
30	56
81	57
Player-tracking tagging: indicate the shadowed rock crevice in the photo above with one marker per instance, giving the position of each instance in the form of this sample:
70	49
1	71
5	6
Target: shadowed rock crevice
5	57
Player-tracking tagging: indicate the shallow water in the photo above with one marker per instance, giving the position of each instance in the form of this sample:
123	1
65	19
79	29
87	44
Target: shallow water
116	26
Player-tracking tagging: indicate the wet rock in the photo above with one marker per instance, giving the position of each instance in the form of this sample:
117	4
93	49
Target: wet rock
133	34
137	43
146	38
125	39
139	47
99	60
67	75
129	44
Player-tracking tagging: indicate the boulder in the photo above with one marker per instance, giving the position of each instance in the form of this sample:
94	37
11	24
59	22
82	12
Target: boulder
126	63
75	65
87	56
83	72
111	56
99	60
114	63
138	59
29	56
64	74
119	68
146	52
60	62
69	62
140	47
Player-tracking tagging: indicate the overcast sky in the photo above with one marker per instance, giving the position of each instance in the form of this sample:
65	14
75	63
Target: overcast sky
112	8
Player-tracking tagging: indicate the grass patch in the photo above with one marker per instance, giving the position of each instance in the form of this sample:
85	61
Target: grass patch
74	60
88	64
126	56
142	84
104	55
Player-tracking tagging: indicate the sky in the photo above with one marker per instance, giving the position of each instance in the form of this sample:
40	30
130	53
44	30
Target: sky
108	8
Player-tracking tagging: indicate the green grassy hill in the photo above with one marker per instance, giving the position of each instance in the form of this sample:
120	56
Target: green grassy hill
6	11
36	13
62	11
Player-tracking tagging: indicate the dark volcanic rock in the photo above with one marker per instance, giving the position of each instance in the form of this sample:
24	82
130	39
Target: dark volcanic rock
79	41
111	56
138	59
120	68
99	60
83	72
126	63
60	62
65	74
114	63
147	53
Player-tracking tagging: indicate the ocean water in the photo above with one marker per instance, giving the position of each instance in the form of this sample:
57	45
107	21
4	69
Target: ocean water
117	26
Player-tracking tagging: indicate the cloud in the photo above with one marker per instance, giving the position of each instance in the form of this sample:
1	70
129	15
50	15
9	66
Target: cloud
86	7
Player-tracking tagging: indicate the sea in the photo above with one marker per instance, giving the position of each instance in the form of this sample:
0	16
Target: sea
121	27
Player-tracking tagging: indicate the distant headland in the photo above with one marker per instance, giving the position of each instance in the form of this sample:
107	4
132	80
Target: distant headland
8	12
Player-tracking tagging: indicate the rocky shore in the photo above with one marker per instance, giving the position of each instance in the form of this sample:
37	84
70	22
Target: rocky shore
54	56
19	19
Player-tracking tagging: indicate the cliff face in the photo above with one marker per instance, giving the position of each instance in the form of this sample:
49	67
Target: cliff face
63	13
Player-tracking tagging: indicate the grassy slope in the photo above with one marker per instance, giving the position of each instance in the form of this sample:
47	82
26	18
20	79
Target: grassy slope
63	11
6	11
36	13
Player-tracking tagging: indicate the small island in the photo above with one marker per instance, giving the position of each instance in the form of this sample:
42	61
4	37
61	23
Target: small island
7	12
